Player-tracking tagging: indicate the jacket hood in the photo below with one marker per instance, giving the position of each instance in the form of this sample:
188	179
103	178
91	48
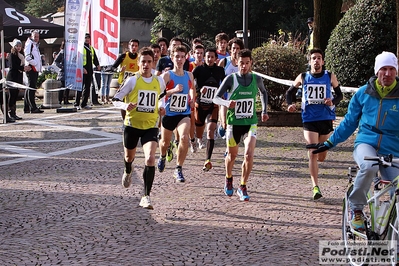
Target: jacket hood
372	90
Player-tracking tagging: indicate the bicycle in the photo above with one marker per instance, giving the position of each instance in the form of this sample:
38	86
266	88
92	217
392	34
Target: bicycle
380	221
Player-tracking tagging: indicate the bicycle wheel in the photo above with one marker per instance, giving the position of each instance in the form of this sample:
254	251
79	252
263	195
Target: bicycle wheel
351	237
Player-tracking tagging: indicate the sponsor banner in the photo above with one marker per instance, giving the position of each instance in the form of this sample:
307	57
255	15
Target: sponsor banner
76	16
105	30
370	252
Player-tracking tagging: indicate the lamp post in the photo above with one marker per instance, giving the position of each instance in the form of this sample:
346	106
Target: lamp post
245	22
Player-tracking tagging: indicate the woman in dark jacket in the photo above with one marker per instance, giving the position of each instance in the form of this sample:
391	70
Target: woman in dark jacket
16	62
63	95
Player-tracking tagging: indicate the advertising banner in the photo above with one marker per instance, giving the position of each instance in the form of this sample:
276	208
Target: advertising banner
105	27
76	17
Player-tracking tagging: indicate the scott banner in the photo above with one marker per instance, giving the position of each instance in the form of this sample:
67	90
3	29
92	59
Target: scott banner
105	26
76	17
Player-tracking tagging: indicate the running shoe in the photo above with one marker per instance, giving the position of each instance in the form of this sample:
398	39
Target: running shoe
161	164
228	187
169	152
193	146
146	203
201	144
242	193
127	179
178	174
221	132
207	166
357	221
316	193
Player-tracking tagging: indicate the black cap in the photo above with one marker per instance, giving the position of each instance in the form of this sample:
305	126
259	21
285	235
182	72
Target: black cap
87	35
310	20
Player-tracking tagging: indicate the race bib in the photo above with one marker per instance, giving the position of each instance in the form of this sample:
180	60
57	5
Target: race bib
146	101
178	102
127	74
244	108
316	93
208	96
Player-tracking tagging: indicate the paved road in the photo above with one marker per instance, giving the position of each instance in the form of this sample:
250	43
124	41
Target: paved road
62	203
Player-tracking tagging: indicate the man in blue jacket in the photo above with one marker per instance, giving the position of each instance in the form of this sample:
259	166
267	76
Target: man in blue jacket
373	109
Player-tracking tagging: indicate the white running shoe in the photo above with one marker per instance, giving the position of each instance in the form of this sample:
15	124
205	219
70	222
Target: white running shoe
201	144
127	179
193	146
146	203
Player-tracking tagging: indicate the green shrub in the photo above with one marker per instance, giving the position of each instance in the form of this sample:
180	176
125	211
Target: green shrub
366	30
45	74
284	62
342	108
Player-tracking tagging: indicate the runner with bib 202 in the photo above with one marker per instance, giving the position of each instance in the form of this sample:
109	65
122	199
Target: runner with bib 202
242	122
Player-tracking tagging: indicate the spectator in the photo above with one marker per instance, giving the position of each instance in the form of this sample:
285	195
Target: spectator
8	118
16	61
106	78
34	62
372	110
63	95
89	59
309	42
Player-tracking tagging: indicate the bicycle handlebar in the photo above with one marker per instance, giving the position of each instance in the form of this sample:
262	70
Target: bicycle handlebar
383	160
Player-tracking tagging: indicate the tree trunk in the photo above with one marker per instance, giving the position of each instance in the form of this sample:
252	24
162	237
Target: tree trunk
326	16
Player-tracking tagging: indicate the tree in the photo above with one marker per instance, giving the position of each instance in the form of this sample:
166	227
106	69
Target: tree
137	9
326	16
40	8
18	4
192	18
360	35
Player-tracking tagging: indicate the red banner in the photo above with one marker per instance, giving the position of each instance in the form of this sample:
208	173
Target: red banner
105	30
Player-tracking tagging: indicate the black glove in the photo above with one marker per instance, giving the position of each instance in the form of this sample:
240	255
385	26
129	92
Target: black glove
320	147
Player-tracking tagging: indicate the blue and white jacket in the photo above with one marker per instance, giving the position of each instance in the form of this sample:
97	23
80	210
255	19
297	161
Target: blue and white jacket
377	119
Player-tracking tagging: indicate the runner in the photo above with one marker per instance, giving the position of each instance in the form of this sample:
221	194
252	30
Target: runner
242	88
198	53
141	92
221	40
128	64
319	103
179	100
208	77
230	65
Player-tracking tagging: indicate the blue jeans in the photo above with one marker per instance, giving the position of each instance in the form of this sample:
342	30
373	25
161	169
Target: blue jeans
105	84
366	174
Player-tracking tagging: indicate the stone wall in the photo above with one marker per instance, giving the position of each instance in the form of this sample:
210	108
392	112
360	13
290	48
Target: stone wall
282	119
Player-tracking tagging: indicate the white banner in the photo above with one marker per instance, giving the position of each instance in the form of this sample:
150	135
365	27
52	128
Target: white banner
290	82
76	16
105	30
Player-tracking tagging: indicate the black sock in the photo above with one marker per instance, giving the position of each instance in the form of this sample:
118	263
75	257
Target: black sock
210	144
128	167
178	167
148	177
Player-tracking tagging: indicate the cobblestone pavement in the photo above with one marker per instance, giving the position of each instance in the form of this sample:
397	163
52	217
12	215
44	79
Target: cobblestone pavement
62	202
